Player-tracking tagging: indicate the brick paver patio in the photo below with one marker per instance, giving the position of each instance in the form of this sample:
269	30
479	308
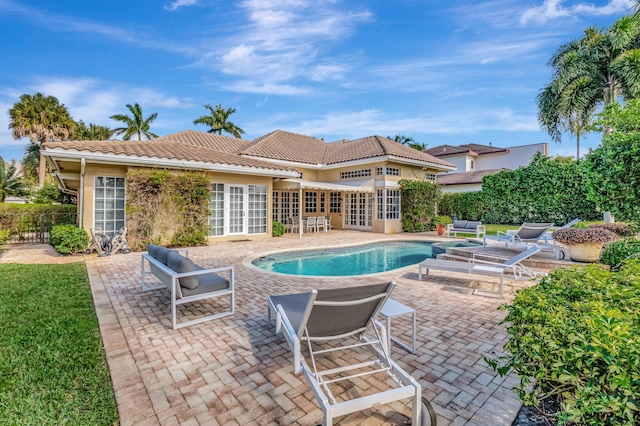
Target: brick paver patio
237	371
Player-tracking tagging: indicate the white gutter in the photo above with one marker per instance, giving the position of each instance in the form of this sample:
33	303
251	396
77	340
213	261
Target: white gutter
164	162
363	161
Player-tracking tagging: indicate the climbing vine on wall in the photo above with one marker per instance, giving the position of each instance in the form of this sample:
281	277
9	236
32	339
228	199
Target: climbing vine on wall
418	204
167	209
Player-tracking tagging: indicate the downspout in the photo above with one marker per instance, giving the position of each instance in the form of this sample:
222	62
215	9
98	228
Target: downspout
83	163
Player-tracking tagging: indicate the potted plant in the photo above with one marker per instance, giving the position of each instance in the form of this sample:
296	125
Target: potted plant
584	245
441	223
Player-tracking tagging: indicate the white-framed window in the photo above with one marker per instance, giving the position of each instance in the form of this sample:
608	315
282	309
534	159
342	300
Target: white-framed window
472	165
355	174
109	197
335	202
311	202
430	176
379	171
322	202
392	171
387	204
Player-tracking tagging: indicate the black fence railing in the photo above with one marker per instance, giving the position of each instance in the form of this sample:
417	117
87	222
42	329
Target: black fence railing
33	227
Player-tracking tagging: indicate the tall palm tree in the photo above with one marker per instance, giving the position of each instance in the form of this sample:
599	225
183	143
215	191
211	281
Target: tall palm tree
41	119
135	125
93	132
10	183
217	120
598	68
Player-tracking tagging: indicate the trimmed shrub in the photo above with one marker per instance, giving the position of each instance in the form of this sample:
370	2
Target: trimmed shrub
69	239
4	237
574	336
279	229
464	205
618	251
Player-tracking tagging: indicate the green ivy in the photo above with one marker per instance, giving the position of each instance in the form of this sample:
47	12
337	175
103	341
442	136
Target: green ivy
418	204
167	209
613	168
547	190
464	205
575	336
69	239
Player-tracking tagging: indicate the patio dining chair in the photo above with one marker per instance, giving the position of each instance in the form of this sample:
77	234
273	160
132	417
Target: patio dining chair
343	320
292	224
321	222
312	224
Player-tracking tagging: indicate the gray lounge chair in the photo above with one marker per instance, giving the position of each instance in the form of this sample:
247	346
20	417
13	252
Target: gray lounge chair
512	266
338	319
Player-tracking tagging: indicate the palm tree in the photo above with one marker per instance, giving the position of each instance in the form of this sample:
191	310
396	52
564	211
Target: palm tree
217	120
408	141
598	68
10	184
93	132
41	119
134	125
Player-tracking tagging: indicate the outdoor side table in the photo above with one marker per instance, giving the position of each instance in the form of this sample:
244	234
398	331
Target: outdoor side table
393	308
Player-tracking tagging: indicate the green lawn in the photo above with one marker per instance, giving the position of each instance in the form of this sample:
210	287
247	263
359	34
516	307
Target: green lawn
53	369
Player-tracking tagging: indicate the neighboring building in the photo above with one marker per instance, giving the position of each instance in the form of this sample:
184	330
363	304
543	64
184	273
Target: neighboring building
474	161
273	177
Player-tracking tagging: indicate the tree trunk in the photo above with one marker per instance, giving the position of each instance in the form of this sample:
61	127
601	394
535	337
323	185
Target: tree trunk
42	170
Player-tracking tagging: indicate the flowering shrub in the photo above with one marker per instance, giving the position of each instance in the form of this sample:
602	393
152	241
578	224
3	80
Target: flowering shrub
584	236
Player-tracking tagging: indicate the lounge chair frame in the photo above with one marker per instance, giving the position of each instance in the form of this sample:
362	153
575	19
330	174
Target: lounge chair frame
319	381
510	266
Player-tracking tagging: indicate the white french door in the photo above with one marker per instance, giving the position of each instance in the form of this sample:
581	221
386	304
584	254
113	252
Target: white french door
238	206
357	211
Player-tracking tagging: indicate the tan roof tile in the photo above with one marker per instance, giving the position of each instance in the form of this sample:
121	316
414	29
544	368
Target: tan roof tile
163	148
375	146
470	149
207	140
287	146
465	177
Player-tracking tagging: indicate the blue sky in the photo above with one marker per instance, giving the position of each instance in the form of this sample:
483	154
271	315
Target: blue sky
438	71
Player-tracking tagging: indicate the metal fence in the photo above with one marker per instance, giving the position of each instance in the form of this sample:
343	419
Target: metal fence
33	227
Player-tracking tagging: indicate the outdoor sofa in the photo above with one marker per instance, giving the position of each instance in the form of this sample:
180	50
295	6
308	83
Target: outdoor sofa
465	227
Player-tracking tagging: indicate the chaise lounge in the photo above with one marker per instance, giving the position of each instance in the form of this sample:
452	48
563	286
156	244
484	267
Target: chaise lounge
343	320
510	266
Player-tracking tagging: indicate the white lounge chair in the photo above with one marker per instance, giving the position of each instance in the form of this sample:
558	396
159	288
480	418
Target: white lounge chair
332	318
510	266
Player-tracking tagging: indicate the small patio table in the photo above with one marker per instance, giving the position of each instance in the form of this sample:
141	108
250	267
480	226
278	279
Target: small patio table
393	308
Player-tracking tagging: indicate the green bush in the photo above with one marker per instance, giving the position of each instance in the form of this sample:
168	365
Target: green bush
279	229
574	336
464	205
616	252
547	190
69	239
4	237
418	204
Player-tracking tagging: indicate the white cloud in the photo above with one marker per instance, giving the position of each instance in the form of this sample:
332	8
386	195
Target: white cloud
553	9
175	5
377	122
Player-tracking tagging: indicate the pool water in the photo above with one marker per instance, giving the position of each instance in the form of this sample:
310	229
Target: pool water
359	260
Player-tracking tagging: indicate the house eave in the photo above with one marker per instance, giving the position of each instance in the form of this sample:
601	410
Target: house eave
120	160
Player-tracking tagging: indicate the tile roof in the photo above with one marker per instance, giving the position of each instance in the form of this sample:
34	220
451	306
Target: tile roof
207	140
163	148
466	177
470	149
375	146
191	145
287	146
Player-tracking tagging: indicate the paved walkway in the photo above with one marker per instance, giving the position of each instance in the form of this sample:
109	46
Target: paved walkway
236	371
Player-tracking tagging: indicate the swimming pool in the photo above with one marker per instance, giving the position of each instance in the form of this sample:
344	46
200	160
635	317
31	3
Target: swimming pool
357	260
